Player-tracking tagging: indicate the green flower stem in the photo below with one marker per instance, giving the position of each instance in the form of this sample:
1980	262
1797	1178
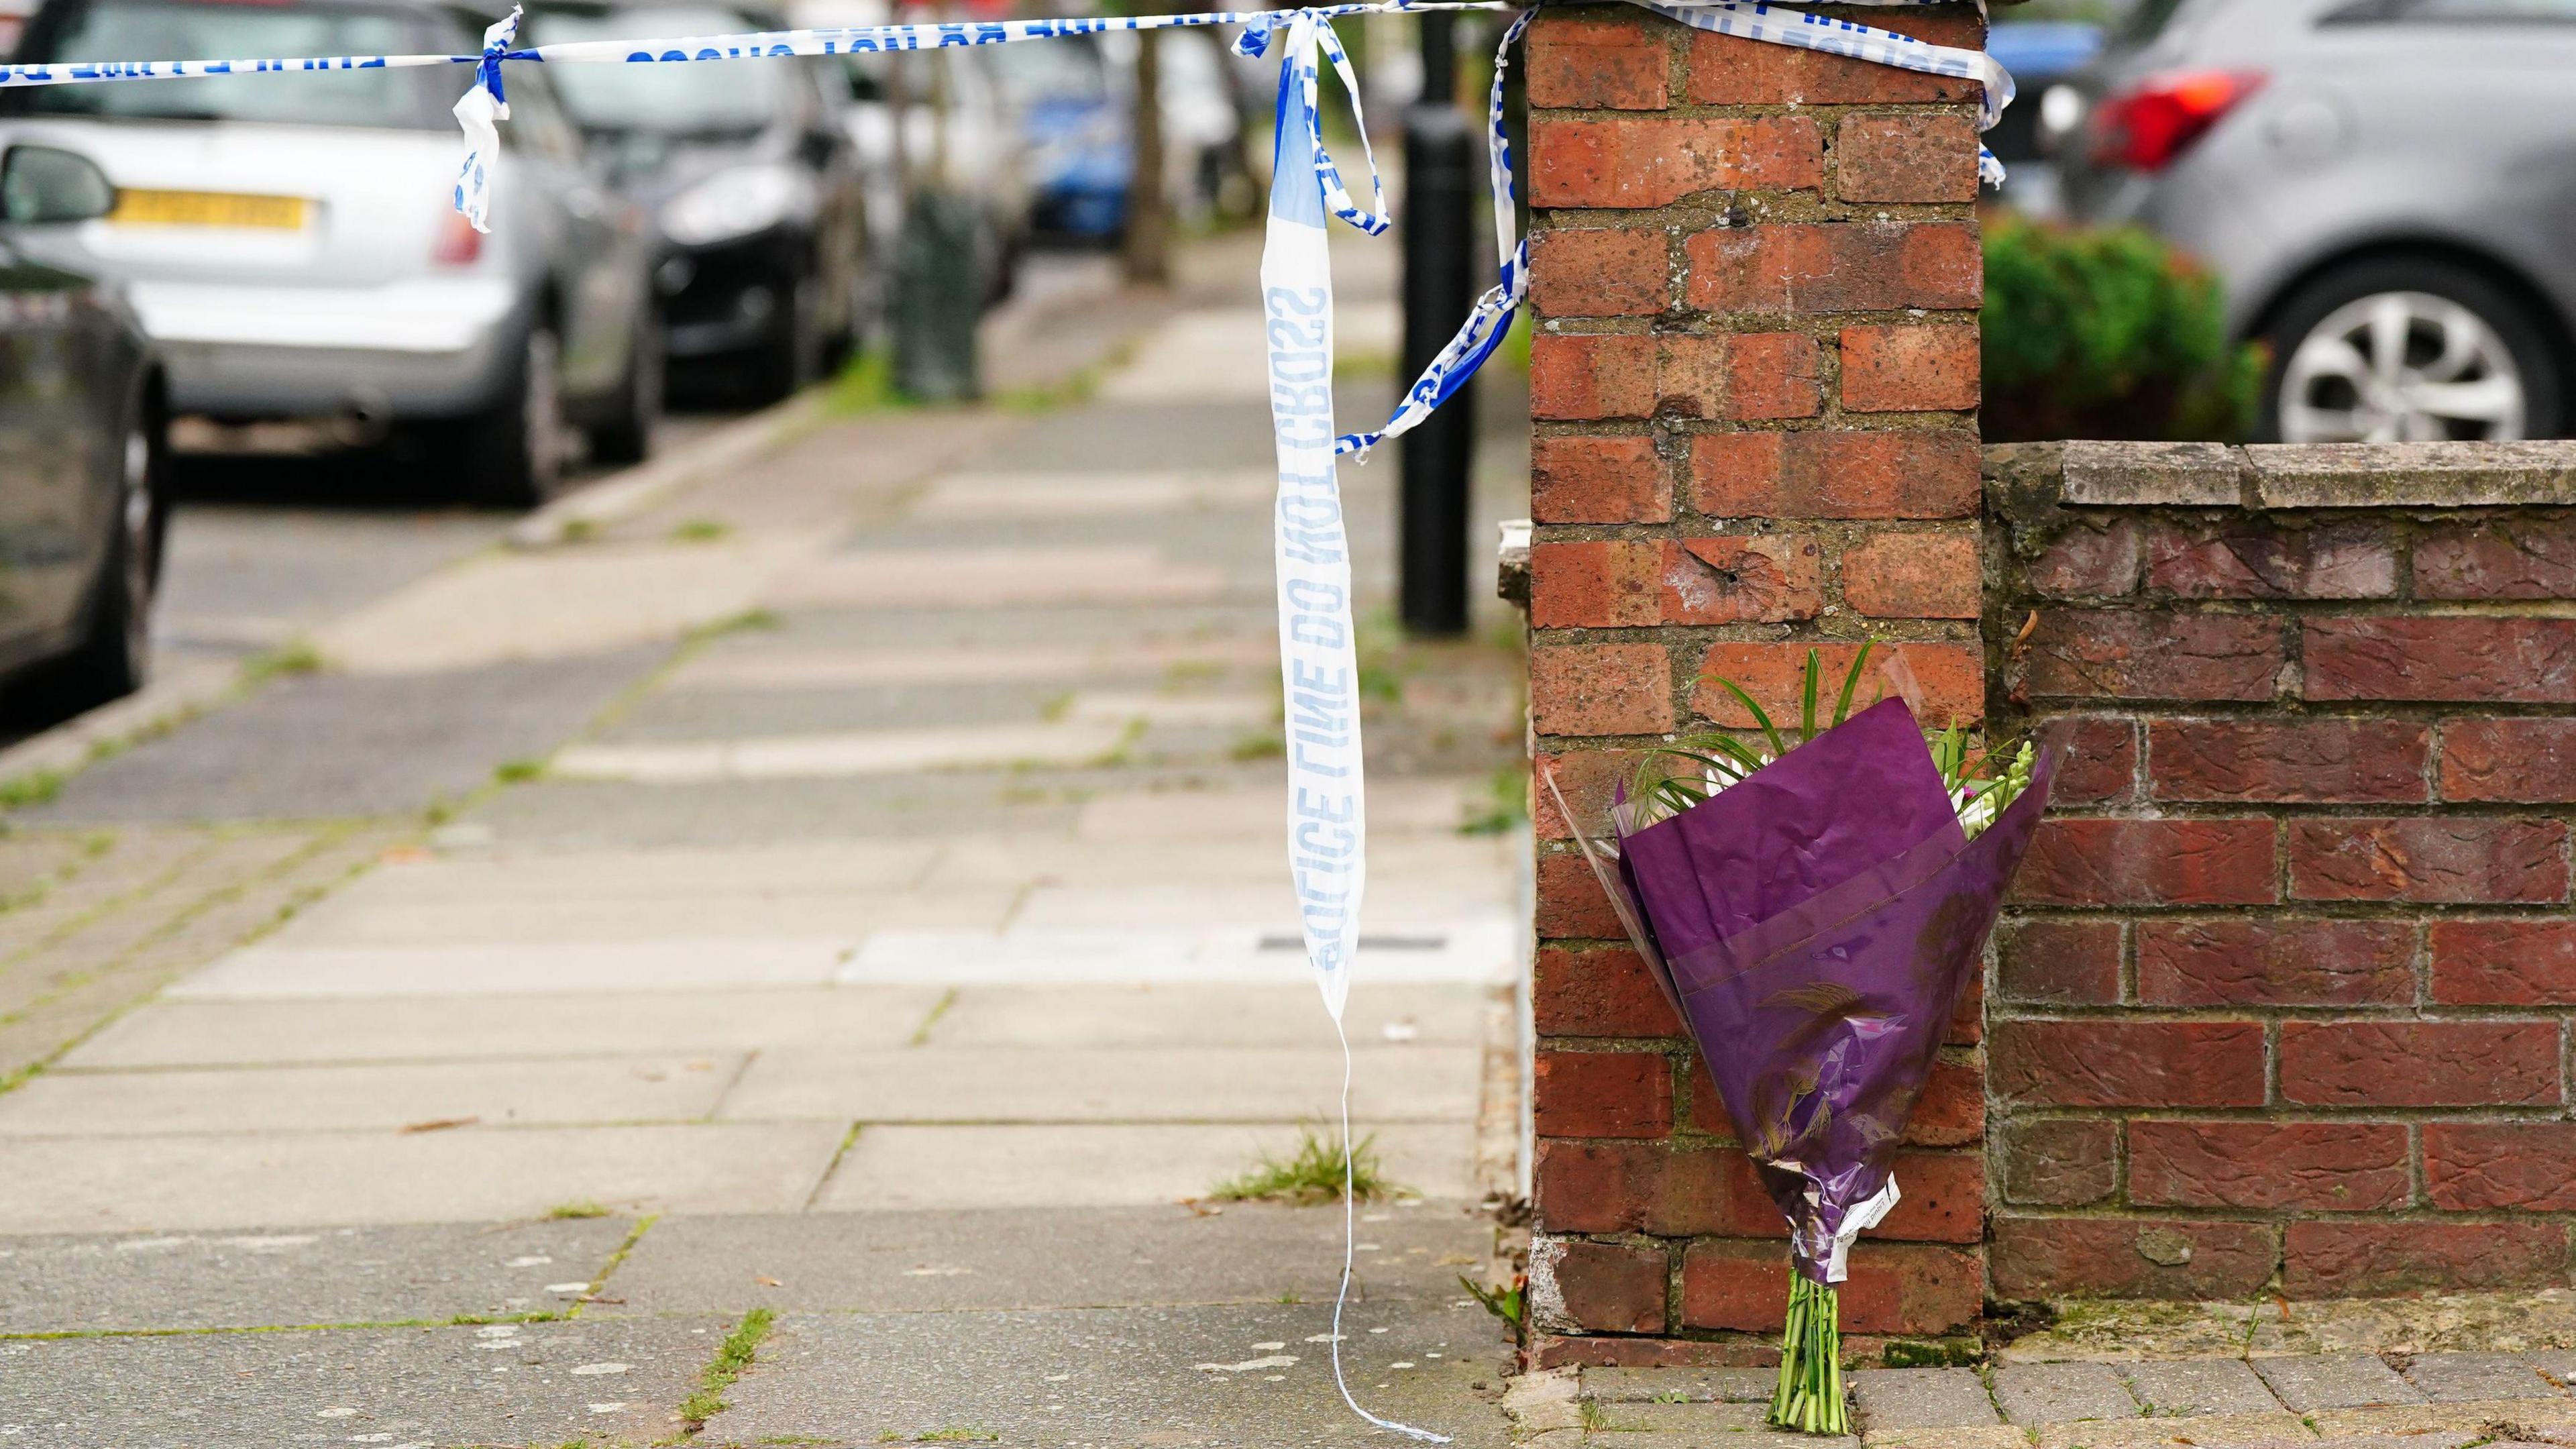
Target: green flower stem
1809	1399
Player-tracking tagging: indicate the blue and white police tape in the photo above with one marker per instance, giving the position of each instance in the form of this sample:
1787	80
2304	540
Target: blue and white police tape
1327	823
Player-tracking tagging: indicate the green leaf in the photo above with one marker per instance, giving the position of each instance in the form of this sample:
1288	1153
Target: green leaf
1851	681
1770	731
1807	703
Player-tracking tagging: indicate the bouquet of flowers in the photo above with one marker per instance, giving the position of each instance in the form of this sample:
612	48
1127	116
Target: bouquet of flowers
1814	904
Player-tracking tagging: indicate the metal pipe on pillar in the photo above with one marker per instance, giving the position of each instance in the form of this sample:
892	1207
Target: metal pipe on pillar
1437	228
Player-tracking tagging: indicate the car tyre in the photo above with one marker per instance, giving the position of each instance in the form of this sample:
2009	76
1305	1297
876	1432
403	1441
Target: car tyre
114	656
627	435
2404	349
512	454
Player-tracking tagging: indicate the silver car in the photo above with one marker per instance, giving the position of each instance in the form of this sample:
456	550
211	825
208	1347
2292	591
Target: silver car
288	240
2387	188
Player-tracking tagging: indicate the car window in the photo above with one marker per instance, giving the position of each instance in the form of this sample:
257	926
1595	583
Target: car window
2148	21
190	30
699	98
1069	70
2527	11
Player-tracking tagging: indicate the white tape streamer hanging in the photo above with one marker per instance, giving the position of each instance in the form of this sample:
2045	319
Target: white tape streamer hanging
1319	667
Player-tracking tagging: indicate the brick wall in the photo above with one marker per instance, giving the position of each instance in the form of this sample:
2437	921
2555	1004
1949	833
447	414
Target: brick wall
2285	1001
1753	381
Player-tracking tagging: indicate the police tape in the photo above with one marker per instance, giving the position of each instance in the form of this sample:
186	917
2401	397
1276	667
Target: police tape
1327	821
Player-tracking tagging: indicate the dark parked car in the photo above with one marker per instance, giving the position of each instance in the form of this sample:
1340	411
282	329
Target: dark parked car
753	184
81	415
2386	187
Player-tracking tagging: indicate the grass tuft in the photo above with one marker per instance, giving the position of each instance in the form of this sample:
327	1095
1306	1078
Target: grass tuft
516	772
36	787
950	1435
580	1207
700	530
1314	1173
733	1356
296	656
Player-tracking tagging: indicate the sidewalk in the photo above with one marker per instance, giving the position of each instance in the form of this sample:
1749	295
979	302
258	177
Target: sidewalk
863	996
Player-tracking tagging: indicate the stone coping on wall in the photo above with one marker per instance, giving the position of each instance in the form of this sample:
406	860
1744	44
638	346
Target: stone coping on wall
2312	475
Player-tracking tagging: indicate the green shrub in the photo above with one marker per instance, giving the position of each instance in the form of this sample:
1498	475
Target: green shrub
2108	334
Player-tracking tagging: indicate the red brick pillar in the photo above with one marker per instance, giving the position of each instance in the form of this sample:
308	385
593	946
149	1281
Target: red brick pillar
1753	388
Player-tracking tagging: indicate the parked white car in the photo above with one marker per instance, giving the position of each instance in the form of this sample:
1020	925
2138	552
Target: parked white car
288	241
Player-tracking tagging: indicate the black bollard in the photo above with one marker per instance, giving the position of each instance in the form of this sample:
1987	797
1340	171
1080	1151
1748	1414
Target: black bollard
937	301
1442	178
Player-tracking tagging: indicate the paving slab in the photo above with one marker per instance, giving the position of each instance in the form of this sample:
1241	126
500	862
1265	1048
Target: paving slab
2197	1386
1097	1165
406	1388
828	756
361	745
1476	950
2409	1419
1692	1425
1695	1385
1240	1377
576	919
128	1282
250	1180
1975	1436
1203	1014
387	1096
2058	1393
267	972
2453	1377
1921	1398
504	875
1044	1258
2212	1431
1389	1083
2334	1381
463	1028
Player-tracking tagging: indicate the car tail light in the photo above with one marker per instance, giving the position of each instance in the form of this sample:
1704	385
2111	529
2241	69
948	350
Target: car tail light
458	242
2148	126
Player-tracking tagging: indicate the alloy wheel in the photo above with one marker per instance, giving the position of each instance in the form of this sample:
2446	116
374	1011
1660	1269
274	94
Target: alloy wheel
2401	367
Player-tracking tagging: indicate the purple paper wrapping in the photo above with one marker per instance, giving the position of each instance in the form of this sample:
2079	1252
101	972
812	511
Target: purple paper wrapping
1816	923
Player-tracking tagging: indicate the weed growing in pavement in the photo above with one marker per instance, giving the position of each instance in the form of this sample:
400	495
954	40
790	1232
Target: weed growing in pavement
742	623
921	1033
1508	1303
580	1207
1506	805
952	1435
514	772
732	1357
701	530
616	1259
1259	747
1056	706
580	530
1291	1299
36	787
296	656
866	386
1314	1173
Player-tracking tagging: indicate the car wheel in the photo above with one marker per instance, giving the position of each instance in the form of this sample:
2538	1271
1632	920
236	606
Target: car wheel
793	358
2408	350
512	453
114	656
627	436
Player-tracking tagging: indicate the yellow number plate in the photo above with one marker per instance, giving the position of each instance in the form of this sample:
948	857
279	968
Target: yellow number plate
208	208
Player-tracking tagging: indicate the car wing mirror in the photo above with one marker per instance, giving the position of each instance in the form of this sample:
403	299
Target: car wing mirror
46	185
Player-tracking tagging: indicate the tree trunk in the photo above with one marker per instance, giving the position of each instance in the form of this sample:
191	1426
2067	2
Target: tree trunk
1148	252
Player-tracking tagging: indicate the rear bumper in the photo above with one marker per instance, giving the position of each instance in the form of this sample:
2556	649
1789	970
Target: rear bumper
420	348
